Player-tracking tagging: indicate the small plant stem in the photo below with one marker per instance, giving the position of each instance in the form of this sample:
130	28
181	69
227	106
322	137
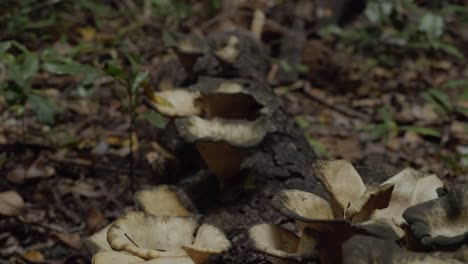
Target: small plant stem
132	154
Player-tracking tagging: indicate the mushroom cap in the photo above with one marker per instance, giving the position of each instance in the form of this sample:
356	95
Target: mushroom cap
215	97
238	133
366	249
164	200
410	187
278	242
301	205
106	257
208	241
97	242
175	260
441	222
341	180
176	102
260	93
225	167
148	236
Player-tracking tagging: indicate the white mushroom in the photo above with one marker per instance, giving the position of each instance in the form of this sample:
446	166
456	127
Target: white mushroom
164	200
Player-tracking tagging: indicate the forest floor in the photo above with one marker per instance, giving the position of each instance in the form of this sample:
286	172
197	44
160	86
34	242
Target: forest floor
385	89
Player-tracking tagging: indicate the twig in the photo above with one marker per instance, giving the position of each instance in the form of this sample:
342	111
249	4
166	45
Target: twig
131	240
94	165
337	108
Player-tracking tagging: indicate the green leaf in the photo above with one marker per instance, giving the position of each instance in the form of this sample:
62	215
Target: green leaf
432	25
301	122
30	66
455	84
319	148
378	11
330	30
447	48
424	131
139	78
4	46
440	98
70	68
156	119
114	70
43	108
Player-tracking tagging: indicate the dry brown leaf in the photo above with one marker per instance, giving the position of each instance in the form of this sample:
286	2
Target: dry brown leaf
71	239
11	203
34	256
95	220
38	169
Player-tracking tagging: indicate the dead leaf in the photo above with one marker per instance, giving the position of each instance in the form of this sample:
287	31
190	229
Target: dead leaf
38	169
87	33
460	131
11	203
34	256
71	239
95	220
346	148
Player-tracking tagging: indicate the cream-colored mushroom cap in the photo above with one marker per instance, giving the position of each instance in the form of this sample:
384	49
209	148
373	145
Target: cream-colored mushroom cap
276	241
208	241
175	260
113	257
239	133
410	187
164	200
304	207
176	102
148	236
341	180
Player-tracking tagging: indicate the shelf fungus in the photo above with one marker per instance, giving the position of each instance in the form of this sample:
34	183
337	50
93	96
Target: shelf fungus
354	208
223	119
278	242
164	200
441	223
151	237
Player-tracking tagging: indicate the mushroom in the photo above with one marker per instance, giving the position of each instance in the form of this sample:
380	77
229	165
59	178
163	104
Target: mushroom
230	51
350	198
312	212
106	257
365	249
353	207
164	200
209	240
214	97
176	102
149	236
189	49
279	242
411	187
114	257
159	200
442	222
222	143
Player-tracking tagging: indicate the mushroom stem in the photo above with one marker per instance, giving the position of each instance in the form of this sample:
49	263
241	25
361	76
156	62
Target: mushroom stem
221	158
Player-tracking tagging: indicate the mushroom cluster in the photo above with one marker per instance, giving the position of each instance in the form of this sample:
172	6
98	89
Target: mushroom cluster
169	230
222	118
408	201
